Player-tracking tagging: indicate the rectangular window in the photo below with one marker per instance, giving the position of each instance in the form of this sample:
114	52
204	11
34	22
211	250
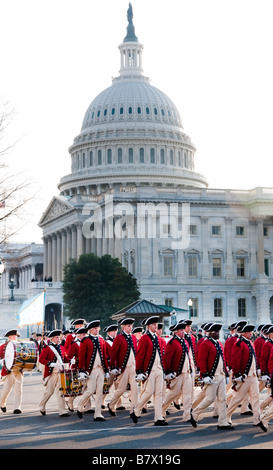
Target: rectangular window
216	267
194	308
240	231
216	230
168	266
193	229
218	308
169	302
242	308
193	266
240	267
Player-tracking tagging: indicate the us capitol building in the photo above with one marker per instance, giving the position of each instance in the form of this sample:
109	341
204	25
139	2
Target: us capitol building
133	188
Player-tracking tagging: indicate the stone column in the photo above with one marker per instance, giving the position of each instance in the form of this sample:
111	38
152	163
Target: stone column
74	242
59	258
54	257
79	240
49	257
45	262
64	251
68	244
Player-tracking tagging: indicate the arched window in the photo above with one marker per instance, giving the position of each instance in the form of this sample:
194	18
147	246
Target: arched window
138	110
121	110
83	160
141	155
99	157
91	162
171	157
147	110
131	155
109	156
152	155
105	112
113	112
130	110
119	155
162	156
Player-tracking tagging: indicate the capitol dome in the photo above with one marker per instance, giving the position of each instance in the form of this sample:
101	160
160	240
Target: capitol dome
131	134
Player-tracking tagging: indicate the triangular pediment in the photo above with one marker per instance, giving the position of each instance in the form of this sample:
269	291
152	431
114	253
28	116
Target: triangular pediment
57	207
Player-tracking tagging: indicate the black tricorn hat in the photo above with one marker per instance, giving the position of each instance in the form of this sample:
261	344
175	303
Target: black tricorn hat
54	333
246	328
93	324
153	319
127	321
113	327
214	327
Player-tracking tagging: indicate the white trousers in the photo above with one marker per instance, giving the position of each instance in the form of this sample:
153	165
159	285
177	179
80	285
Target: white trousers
15	378
53	384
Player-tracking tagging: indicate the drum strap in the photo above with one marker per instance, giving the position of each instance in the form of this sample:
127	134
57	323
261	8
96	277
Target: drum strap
58	357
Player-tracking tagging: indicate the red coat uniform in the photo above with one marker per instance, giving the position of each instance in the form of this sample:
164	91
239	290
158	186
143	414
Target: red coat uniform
241	355
73	352
120	351
258	344
175	355
229	343
146	354
270	362
207	355
87	354
47	356
264	356
199	342
69	339
4	371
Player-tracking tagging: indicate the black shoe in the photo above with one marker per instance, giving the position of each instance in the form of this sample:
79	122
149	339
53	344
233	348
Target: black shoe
193	422
42	412
161	422
144	410
90	411
167	412
215	416
121	408
262	426
71	409
17	411
177	406
247	413
100	418
134	417
103	407
4	409
112	413
79	414
64	415
225	428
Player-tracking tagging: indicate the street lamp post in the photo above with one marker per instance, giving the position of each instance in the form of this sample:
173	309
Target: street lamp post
11	286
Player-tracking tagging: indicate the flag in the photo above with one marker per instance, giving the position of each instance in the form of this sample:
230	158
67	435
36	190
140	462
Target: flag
32	311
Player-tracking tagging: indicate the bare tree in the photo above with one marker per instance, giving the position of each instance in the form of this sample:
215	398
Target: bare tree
14	191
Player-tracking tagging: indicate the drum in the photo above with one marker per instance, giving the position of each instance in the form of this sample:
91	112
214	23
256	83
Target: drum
71	385
20	355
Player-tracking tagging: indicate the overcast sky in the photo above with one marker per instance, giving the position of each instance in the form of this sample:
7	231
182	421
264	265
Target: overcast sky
213	58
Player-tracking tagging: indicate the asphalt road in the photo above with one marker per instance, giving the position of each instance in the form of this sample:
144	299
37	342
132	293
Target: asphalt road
31	430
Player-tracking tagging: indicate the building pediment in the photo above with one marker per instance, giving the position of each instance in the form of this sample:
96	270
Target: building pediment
56	208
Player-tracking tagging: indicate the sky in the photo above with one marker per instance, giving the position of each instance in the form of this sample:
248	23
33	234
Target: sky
213	58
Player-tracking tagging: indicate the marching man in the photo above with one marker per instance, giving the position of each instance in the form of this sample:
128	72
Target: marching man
150	369
178	371
11	378
53	357
243	364
93	366
123	364
213	372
